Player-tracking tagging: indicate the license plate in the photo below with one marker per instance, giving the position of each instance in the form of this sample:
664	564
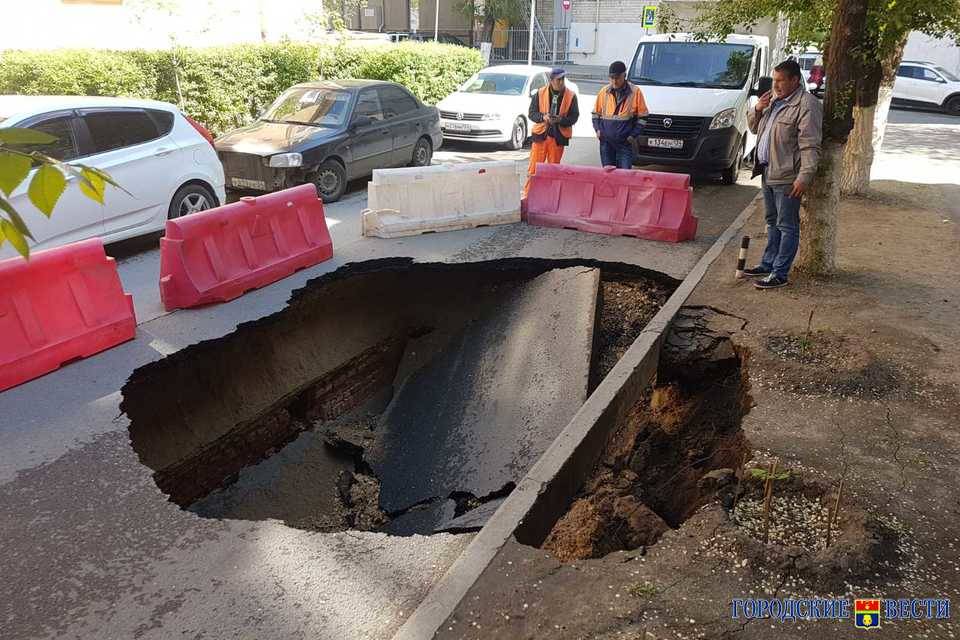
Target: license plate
665	143
244	183
458	126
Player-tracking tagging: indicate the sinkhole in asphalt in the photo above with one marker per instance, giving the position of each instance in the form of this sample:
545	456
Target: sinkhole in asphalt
388	395
678	447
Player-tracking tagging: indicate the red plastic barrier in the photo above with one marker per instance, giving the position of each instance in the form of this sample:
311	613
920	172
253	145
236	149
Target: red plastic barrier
61	305
619	202
220	254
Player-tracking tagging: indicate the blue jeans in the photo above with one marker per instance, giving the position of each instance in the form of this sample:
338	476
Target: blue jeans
616	154
783	228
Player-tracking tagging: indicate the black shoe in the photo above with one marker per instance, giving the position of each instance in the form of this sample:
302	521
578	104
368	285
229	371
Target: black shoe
756	272
771	282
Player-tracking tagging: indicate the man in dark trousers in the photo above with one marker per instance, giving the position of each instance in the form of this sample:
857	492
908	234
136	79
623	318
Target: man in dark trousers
554	111
618	118
787	121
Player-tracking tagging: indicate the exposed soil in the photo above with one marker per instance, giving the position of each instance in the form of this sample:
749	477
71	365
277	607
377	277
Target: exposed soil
649	477
626	309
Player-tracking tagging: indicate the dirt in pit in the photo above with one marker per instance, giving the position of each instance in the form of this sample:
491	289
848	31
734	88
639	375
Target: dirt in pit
654	471
627	307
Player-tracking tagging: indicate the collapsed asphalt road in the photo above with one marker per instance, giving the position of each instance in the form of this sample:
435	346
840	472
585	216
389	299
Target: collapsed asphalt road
93	547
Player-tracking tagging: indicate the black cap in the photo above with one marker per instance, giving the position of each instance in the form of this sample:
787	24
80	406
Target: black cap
617	68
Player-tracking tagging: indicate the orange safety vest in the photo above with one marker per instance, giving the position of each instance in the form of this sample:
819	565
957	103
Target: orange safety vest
606	105
540	128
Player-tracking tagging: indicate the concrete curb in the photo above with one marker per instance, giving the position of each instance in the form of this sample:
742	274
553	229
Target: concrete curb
545	492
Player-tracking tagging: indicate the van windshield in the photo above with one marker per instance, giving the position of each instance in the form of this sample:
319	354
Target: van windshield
692	64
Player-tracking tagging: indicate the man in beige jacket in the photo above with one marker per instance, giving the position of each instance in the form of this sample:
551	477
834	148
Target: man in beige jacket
787	121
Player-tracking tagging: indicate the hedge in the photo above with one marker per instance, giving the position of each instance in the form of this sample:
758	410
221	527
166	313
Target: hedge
225	87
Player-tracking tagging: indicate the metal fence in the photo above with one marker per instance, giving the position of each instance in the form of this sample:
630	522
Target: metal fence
550	46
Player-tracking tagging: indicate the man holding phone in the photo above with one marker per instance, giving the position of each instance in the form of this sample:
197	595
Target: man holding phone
788	122
553	111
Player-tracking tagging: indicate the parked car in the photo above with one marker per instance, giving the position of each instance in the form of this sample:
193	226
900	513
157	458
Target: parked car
924	84
329	133
165	161
492	105
699	93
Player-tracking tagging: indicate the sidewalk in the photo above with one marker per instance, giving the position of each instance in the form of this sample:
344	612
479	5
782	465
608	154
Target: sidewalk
851	377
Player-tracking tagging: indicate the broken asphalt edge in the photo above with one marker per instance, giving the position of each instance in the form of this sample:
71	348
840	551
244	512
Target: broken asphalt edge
545	492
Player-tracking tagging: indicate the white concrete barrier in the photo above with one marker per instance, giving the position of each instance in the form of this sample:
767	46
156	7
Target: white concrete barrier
414	200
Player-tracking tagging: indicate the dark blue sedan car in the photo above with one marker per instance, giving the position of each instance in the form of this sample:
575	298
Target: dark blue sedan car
329	133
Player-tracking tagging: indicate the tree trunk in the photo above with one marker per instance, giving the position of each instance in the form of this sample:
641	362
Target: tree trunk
870	123
818	241
818	216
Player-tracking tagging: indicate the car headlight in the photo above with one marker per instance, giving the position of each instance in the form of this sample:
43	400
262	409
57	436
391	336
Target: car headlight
491	116
286	160
724	119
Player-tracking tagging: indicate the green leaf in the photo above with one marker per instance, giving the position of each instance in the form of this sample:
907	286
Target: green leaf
15	218
46	188
105	177
92	185
13	170
15	237
16	135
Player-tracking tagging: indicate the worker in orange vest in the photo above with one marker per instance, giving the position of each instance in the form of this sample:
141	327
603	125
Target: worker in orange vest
618	118
554	111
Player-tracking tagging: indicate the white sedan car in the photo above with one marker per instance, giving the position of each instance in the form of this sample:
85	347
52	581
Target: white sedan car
163	159
492	106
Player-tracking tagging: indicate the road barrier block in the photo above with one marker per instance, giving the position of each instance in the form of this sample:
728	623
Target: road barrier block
620	202
220	254
60	305
415	200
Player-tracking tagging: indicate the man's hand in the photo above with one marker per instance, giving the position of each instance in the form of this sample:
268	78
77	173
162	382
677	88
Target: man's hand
764	101
549	119
798	189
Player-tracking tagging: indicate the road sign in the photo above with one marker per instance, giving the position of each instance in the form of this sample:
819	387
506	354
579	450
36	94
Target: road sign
649	16
566	5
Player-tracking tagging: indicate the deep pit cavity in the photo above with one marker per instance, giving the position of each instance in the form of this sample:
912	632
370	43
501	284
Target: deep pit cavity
673	451
275	420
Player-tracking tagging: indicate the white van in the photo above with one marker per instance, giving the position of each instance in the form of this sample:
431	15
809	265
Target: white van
698	94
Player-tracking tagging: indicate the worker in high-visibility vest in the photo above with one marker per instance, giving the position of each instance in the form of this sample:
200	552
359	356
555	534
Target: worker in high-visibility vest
554	111
618	118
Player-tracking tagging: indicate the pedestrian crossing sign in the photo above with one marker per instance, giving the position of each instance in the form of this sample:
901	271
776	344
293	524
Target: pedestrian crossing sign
649	16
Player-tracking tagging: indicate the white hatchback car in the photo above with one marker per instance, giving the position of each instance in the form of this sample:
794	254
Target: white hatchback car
492	106
163	159
924	84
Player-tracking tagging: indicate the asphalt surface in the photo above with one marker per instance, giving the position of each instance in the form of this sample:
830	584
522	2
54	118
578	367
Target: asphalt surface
92	548
480	414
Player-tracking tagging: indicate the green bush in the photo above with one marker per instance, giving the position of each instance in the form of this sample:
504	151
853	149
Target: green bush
226	87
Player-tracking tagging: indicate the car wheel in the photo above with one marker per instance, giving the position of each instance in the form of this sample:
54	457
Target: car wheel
518	135
422	153
952	106
731	173
331	181
190	198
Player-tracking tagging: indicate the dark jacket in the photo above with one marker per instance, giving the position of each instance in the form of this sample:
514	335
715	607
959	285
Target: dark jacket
571	119
618	114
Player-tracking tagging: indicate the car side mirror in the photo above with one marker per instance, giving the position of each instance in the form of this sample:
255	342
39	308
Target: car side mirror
764	84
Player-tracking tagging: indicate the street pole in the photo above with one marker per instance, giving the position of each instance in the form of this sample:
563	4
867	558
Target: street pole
436	22
533	16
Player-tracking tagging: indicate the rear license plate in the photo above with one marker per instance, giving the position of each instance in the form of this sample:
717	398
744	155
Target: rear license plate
665	143
244	183
458	126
